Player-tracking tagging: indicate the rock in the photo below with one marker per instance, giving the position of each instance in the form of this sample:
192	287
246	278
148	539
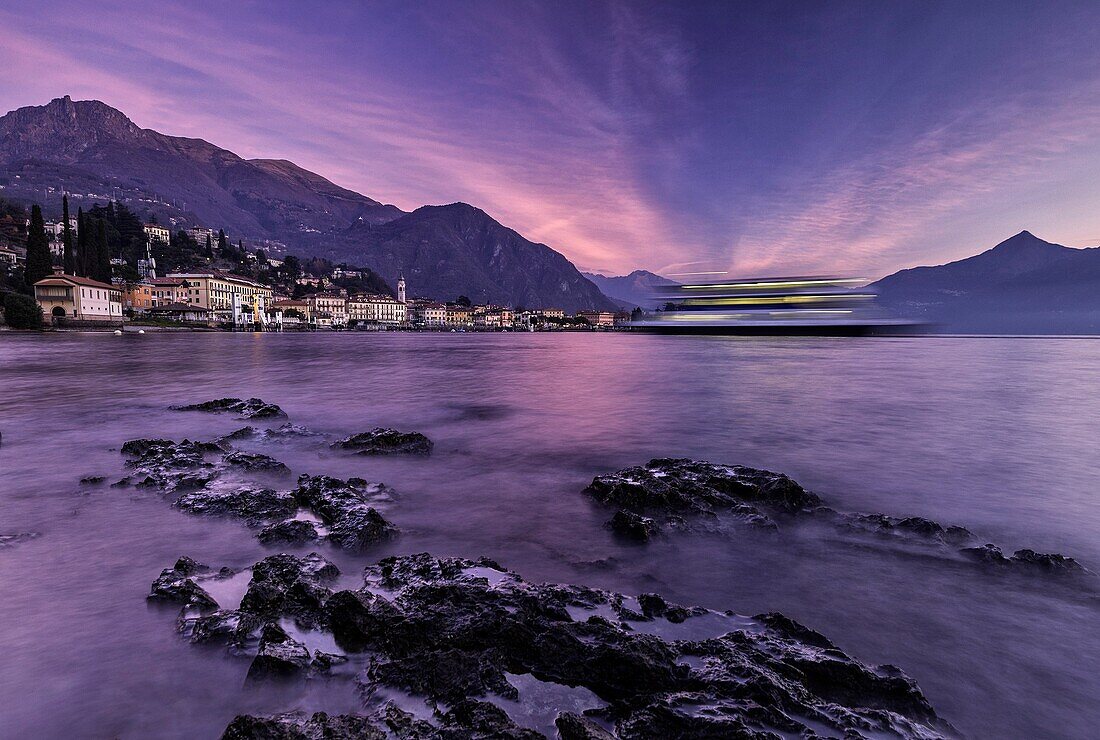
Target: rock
1047	561
255	461
297	726
171	465
343	507
913	526
176	585
92	480
9	540
452	631
252	408
289	585
290	532
279	656
688	486
379	441
575	727
634	526
249	502
987	553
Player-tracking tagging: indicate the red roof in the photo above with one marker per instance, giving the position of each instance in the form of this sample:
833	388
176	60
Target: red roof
75	280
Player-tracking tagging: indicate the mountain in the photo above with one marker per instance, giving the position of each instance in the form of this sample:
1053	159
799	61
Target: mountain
447	251
96	153
1024	285
635	289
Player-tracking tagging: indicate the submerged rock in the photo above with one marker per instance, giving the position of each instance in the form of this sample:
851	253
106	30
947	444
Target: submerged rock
92	480
299	726
252	408
344	507
255	461
379	441
685	486
289	532
170	465
177	585
241	500
666	491
456	632
634	526
278	656
283	432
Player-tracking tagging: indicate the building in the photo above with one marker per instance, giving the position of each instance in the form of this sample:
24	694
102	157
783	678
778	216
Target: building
200	235
426	313
170	290
401	288
80	298
328	310
376	309
11	256
551	313
225	294
459	315
598	318
158	233
303	311
137	297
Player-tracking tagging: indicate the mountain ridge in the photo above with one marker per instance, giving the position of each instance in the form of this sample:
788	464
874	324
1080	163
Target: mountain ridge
631	290
1023	285
96	152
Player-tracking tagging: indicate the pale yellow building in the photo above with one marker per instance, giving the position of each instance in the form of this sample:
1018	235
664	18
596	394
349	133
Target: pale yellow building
217	292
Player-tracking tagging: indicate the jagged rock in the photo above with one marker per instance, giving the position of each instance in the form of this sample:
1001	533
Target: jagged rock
290	532
575	727
92	480
689	486
246	501
634	526
379	441
177	585
171	465
255	461
344	508
285	431
670	487
913	525
279	656
285	584
1047	561
453	630
297	726
252	408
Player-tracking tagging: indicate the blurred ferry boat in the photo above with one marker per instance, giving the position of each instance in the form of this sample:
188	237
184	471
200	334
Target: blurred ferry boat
820	306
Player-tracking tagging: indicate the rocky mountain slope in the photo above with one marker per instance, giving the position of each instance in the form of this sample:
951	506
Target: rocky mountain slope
1024	285
96	153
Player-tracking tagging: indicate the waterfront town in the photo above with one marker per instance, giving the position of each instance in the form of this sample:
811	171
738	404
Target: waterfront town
196	278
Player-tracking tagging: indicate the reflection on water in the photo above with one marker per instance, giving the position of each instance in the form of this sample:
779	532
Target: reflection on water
994	434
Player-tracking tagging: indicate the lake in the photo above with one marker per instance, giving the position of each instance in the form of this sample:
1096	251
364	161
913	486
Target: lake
995	434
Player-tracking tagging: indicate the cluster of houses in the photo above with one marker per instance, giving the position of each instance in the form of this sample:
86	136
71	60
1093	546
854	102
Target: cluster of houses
215	298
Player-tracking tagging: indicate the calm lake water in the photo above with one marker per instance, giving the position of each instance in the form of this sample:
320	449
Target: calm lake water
999	435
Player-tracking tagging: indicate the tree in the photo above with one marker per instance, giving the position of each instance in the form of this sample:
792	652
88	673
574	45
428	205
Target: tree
102	265
39	262
69	259
83	244
261	255
223	244
209	247
21	311
464	301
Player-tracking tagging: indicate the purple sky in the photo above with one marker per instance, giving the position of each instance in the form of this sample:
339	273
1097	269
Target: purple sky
758	137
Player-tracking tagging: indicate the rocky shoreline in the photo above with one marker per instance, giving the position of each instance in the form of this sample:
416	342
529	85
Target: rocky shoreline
442	647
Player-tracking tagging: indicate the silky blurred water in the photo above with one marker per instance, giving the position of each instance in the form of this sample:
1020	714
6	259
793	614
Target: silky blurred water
999	435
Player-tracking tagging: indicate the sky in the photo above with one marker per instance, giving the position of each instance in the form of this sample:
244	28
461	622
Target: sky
758	138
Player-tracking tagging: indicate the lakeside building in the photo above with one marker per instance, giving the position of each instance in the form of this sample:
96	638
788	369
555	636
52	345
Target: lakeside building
80	298
225	294
170	290
551	313
598	318
137	297
286	305
376	309
158	233
459	315
328	310
426	313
